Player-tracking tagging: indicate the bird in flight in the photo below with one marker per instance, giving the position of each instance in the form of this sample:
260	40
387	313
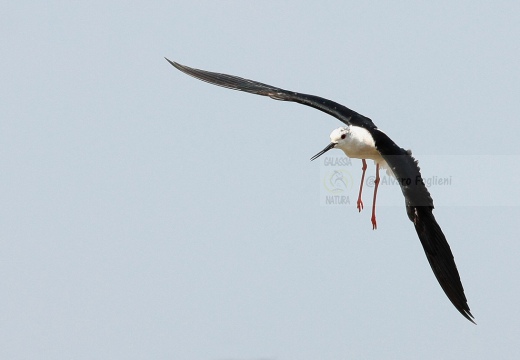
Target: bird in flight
361	139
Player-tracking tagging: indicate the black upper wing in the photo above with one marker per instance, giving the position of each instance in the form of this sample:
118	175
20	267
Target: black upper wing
419	207
440	257
339	111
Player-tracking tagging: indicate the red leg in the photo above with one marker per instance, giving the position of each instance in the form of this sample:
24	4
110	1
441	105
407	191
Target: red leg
376	185
359	201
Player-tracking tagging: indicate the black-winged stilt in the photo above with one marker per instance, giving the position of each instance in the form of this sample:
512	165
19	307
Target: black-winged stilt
361	139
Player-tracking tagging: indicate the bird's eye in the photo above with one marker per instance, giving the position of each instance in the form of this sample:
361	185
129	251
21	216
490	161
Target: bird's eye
343	136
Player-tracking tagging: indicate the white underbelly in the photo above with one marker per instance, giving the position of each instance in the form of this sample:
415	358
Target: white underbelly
361	146
368	154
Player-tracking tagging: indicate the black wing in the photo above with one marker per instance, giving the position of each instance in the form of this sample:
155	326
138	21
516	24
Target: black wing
440	257
419	206
344	114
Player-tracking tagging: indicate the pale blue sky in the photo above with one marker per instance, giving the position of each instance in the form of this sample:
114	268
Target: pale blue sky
148	215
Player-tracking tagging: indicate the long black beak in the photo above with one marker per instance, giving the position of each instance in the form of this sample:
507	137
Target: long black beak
330	146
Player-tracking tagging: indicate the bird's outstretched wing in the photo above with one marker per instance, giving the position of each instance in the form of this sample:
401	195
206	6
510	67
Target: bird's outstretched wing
344	114
440	257
419	207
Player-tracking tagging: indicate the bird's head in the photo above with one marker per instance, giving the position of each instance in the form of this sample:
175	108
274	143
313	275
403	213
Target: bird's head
337	139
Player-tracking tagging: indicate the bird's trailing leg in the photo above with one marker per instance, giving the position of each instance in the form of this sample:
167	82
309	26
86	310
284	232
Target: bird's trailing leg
359	201
376	185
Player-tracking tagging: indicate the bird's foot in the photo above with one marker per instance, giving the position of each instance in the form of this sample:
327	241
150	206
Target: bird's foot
359	204
374	222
